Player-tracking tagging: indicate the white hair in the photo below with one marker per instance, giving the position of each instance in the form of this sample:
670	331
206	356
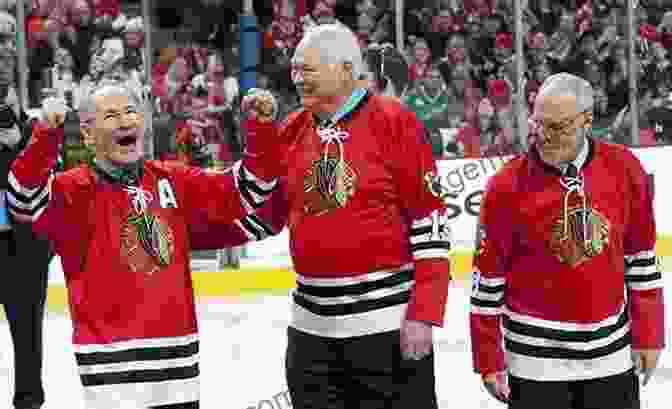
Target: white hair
336	43
564	84
88	102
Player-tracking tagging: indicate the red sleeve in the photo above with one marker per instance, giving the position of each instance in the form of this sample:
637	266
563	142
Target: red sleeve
491	264
414	171
268	221
256	211
30	174
642	275
266	145
218	198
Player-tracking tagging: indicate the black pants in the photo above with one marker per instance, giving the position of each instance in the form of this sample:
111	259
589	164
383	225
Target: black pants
25	324
188	405
360	372
613	392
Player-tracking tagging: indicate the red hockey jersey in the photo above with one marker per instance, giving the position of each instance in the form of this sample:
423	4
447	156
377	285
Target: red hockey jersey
567	289
130	294
376	253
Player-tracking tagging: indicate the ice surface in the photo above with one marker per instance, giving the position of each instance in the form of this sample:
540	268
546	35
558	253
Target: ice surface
242	357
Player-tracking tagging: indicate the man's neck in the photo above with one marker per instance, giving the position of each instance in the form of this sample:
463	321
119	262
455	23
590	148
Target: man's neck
109	165
332	104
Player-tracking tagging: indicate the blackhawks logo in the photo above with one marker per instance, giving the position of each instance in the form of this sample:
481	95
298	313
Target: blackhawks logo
580	235
147	243
328	185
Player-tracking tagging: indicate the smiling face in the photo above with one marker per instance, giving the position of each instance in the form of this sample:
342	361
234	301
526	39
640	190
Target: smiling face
318	82
118	127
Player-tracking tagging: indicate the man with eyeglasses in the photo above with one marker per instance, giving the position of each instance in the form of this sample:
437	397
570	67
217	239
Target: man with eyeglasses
565	275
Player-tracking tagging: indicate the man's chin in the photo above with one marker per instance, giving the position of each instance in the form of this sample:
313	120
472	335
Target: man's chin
125	158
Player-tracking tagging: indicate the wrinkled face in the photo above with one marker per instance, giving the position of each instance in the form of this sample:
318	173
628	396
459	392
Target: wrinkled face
111	51
556	123
316	81
118	129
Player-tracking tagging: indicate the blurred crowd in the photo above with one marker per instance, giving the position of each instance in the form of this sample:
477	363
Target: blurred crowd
458	61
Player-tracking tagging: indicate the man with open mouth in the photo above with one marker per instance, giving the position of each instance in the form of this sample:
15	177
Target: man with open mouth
124	228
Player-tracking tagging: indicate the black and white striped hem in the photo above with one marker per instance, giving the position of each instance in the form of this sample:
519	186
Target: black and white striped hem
558	351
145	372
352	306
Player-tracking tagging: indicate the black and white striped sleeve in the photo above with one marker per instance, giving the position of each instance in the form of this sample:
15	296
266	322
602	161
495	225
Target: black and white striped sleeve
430	237
254	191
487	295
255	228
642	272
26	204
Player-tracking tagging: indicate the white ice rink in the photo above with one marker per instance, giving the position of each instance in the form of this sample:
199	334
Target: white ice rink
242	352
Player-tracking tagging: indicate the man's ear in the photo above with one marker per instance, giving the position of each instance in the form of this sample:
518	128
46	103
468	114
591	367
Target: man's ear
348	69
589	120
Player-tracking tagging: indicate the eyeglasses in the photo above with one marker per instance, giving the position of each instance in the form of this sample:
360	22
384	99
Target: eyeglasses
560	128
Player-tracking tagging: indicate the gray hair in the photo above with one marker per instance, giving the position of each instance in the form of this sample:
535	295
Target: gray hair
564	84
88	103
336	43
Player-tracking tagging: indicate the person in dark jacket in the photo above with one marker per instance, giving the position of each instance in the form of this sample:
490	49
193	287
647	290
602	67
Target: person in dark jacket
24	258
24	295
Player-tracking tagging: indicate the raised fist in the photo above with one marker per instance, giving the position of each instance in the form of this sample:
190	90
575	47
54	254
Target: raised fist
54	109
260	104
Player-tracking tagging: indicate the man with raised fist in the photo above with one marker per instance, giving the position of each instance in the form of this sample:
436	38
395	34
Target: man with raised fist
124	228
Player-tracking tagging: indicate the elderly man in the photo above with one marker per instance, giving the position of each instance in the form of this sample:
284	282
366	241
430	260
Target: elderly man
368	232
23	257
566	266
124	228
